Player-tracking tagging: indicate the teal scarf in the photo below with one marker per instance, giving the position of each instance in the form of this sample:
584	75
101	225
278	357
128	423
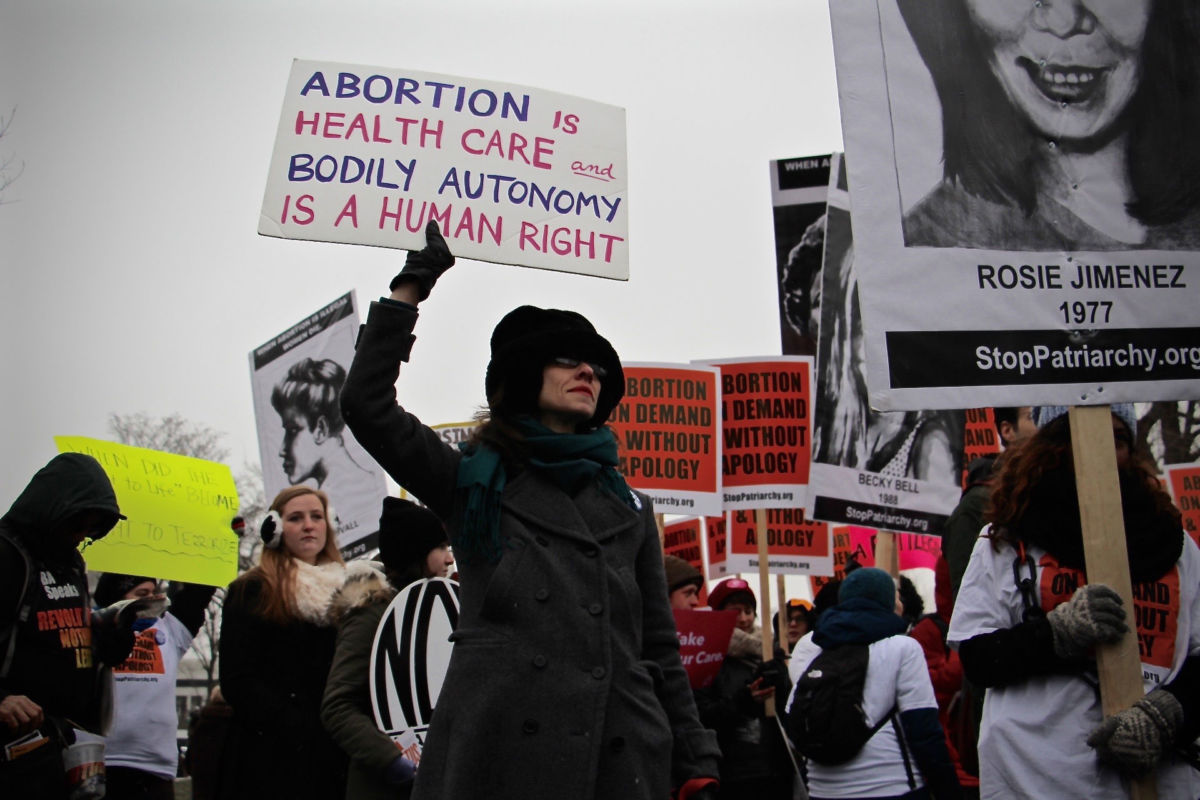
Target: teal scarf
569	460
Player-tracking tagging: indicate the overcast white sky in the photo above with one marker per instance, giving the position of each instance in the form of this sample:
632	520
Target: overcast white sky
131	275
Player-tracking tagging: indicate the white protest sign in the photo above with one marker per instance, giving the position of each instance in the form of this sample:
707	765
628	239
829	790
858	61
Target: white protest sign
297	380
895	470
512	174
409	658
1037	242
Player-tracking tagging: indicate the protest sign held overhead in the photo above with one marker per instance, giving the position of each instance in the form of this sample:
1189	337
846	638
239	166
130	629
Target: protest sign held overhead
1025	236
178	510
668	435
1184	483
714	536
297	380
513	174
765	431
795	544
798	188
899	471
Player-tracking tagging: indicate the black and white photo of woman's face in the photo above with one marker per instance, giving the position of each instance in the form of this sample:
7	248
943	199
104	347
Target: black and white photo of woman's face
1070	67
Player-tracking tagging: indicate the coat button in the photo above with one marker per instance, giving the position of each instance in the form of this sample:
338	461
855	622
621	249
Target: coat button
591	552
595	609
540	661
541	595
617	744
529	726
543	541
598	673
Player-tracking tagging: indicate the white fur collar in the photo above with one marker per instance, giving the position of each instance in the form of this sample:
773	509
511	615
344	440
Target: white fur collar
746	645
315	586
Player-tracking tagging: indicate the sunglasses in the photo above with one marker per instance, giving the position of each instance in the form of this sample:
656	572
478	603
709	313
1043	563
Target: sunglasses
566	361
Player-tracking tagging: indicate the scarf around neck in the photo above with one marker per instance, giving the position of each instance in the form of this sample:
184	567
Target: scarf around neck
568	460
857	621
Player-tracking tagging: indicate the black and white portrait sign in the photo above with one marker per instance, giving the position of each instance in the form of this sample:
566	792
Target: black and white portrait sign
297	382
1025	190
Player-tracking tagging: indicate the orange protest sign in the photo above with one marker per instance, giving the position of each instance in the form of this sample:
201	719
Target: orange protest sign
765	431
668	433
714	528
684	538
1184	480
979	437
795	544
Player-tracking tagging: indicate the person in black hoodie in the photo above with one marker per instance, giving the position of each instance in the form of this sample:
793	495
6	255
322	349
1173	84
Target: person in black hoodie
51	644
1026	623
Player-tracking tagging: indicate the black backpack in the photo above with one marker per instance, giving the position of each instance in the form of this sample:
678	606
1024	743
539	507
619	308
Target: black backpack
826	720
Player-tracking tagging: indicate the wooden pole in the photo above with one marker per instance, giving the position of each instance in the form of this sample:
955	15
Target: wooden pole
887	558
661	523
764	591
1106	559
782	614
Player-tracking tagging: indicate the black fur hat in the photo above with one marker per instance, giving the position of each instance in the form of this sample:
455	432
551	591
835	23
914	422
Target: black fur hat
525	341
407	532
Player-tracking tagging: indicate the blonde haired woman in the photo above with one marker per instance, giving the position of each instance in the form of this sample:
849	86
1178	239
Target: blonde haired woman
277	644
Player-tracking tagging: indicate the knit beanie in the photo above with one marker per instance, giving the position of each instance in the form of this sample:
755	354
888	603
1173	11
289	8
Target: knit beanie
112	586
1124	411
729	590
526	340
871	584
407	532
680	573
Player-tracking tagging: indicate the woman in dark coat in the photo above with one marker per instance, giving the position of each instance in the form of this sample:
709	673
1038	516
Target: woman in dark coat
412	546
276	647
565	679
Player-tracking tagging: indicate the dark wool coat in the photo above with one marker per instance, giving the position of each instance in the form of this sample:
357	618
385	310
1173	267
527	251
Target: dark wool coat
565	680
274	676
346	710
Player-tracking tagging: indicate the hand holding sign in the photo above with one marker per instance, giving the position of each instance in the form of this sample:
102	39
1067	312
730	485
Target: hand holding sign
423	267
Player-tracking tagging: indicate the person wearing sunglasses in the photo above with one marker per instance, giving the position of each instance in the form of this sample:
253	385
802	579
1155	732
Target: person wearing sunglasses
565	679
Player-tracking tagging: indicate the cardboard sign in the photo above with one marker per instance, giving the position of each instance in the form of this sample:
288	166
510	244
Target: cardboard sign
178	513
1184	481
899	471
512	174
668	433
297	379
765	430
795	545
714	535
703	641
1008	255
409	658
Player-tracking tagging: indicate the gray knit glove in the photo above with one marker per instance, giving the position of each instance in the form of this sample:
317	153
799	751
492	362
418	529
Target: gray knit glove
1135	740
1092	616
425	266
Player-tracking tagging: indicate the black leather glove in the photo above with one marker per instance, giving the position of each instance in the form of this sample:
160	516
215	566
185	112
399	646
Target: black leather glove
427	265
774	673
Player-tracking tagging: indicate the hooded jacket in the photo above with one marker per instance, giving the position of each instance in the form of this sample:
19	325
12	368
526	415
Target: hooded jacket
58	650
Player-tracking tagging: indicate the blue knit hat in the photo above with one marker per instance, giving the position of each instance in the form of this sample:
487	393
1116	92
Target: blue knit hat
872	584
1124	411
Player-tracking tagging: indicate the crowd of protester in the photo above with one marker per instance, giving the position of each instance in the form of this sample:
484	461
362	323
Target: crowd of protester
565	679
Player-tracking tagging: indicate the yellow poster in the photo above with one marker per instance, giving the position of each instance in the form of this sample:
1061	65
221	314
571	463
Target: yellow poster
178	509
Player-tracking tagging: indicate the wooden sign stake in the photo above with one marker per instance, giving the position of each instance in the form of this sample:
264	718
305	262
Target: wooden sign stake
1106	559
764	591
